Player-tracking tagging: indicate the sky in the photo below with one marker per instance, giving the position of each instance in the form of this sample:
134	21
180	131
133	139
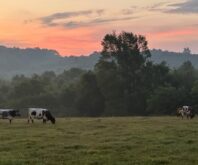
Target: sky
77	27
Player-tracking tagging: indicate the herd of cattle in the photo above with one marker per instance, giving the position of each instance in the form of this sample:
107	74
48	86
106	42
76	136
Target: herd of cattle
45	115
33	113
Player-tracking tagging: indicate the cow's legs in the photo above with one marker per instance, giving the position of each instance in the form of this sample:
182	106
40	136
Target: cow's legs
29	118
187	116
32	119
10	119
44	121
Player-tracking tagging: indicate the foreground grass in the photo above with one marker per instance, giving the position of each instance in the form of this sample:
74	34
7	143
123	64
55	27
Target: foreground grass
100	141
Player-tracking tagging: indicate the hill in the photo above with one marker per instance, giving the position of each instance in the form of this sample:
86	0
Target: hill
173	59
28	61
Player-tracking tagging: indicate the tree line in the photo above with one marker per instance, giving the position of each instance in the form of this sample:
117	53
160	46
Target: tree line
124	82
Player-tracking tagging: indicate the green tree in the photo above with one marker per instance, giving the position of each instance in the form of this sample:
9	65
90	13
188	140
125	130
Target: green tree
127	54
29	87
111	87
184	76
89	100
187	51
68	100
165	100
194	95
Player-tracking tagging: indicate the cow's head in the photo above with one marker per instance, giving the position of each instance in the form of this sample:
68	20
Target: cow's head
50	117
53	120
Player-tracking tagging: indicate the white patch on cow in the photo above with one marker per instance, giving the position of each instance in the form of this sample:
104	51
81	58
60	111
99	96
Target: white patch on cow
39	113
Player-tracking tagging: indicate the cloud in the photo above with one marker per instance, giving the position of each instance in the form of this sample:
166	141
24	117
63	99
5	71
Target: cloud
157	6
75	24
188	7
85	18
49	20
129	11
185	7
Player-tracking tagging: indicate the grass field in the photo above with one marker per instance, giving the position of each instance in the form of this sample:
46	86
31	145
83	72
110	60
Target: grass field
100	141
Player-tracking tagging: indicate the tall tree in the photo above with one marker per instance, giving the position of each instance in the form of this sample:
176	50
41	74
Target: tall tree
128	53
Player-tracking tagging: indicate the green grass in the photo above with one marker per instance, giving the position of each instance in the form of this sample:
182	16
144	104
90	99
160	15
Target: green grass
100	141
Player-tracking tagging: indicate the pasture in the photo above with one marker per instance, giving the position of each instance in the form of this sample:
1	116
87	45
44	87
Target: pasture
100	141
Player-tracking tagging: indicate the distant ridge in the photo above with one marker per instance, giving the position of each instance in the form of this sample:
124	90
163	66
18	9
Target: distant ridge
173	59
28	61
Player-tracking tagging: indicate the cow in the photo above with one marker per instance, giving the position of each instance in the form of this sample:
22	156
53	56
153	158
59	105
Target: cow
9	114
40	113
180	112
185	111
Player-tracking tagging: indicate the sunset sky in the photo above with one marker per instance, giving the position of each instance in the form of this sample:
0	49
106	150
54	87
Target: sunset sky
77	27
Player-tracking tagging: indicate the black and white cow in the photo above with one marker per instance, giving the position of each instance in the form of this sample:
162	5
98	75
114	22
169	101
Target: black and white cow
40	113
9	114
186	111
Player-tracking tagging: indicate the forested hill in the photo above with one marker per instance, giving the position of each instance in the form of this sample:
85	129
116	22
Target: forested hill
173	59
28	61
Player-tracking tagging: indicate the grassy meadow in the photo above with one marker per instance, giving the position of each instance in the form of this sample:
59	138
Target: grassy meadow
100	141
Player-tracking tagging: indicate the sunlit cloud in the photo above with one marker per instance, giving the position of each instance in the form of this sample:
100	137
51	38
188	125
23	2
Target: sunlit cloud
160	6
51	19
74	24
85	18
188	7
130	10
